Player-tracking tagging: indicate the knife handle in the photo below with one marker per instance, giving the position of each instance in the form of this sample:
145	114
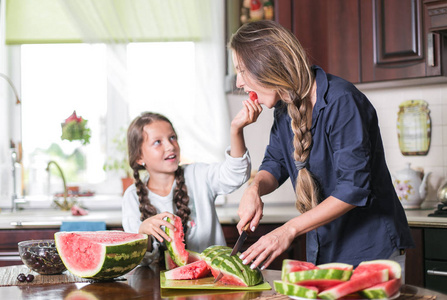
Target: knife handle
246	228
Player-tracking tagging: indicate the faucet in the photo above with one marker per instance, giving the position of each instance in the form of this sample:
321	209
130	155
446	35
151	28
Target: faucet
65	203
14	181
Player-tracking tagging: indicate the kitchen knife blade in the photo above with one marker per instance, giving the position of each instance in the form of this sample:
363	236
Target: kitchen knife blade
240	241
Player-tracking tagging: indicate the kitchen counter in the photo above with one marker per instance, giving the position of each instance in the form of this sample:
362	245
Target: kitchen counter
273	214
144	283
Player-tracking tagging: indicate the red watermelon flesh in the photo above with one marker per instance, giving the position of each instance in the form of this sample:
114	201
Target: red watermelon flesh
229	279
320	284
170	264
362	281
382	290
291	265
393	267
176	247
195	270
100	254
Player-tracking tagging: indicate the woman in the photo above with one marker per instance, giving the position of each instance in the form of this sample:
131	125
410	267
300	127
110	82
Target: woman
326	138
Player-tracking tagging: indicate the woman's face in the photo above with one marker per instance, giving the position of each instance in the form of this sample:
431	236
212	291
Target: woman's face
160	150
246	81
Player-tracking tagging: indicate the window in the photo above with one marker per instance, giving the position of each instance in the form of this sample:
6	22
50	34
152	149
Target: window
58	79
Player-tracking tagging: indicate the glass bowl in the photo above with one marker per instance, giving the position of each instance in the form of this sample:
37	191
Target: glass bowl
41	256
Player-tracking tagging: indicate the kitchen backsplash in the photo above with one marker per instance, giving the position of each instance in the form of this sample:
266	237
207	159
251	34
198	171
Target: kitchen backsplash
386	101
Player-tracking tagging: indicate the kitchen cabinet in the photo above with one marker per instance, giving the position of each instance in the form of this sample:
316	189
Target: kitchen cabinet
435	246
296	251
369	40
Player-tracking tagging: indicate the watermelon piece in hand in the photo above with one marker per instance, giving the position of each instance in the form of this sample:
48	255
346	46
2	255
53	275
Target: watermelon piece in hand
195	270
253	96
176	247
100	255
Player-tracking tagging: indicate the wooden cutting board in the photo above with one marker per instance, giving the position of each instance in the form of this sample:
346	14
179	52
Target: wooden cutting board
207	283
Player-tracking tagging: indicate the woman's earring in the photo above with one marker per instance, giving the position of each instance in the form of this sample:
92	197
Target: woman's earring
143	164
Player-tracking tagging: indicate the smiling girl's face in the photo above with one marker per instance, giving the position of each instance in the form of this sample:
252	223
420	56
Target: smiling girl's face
160	149
244	80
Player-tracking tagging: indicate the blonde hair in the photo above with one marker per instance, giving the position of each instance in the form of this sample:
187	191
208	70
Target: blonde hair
274	57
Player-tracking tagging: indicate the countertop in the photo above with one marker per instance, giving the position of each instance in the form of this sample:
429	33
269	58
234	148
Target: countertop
273	214
144	283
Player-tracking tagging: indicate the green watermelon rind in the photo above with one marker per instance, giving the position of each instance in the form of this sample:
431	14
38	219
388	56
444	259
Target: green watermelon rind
287	265
218	258
193	256
116	260
380	291
176	247
340	266
290	289
318	274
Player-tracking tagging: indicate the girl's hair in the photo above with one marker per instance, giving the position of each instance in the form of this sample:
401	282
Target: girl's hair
273	56
135	138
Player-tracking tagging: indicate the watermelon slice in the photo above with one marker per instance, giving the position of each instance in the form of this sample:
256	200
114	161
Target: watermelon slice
382	290
100	254
393	267
195	270
291	265
361	282
291	289
176	247
339	266
170	264
233	270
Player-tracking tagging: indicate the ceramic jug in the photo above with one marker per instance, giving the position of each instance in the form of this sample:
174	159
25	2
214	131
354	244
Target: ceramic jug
411	187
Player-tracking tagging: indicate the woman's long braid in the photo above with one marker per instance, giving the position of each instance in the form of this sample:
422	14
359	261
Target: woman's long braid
181	198
305	187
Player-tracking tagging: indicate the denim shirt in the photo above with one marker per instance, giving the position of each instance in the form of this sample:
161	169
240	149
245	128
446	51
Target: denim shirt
348	162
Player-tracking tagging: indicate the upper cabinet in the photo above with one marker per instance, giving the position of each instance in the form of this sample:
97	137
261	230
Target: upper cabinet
368	40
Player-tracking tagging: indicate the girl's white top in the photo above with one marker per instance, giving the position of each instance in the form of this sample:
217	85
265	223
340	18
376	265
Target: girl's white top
204	183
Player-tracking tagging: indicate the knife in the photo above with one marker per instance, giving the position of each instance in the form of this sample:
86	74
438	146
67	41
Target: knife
237	247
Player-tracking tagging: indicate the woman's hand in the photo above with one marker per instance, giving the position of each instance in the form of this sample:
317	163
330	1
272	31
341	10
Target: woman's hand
152	226
250	208
267	248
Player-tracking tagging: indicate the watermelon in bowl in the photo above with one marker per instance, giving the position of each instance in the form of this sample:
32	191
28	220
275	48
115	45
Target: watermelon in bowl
100	255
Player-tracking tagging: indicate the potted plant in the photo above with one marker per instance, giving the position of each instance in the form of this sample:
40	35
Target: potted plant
120	161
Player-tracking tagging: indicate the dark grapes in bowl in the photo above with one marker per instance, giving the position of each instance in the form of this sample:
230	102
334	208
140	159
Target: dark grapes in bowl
41	256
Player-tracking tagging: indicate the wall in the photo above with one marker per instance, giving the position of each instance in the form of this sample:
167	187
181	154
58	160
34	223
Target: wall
386	101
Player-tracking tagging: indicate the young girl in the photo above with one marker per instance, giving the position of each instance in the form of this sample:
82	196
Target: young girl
188	191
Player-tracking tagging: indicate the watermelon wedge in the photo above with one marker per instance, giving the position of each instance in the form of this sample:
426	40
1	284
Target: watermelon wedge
382	290
176	247
291	265
100	254
393	267
361	282
339	266
170	264
195	270
290	289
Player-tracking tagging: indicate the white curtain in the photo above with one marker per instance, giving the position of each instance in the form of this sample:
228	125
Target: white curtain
117	23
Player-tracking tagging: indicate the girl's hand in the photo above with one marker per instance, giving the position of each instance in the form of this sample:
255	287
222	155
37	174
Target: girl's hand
250	208
267	248
247	115
152	226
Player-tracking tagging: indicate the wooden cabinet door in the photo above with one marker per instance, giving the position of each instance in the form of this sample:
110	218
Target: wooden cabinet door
393	40
329	32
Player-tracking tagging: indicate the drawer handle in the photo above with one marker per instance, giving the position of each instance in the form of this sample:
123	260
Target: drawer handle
438	273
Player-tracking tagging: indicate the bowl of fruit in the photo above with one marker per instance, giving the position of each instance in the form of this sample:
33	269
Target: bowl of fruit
41	256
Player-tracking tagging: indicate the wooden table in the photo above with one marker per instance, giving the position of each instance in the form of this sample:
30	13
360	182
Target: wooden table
144	283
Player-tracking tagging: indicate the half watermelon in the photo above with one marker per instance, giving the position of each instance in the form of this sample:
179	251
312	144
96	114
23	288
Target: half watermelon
100	254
